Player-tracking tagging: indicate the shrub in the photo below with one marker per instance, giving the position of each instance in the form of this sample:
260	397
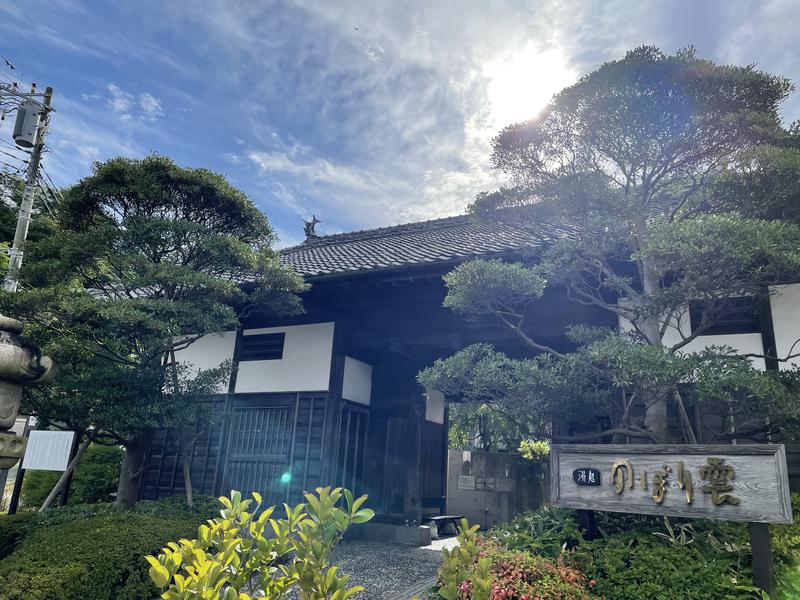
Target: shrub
12	529
205	507
480	569
640	566
243	551
547	532
88	553
95	479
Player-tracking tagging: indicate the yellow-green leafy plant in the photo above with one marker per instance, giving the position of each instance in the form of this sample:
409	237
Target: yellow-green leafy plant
246	554
463	564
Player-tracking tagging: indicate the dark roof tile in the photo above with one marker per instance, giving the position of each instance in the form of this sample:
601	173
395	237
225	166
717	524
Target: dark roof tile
424	242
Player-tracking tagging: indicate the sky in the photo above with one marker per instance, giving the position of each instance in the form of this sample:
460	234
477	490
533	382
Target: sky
364	113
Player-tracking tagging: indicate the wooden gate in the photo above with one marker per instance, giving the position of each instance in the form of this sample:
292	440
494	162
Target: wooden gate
258	450
275	446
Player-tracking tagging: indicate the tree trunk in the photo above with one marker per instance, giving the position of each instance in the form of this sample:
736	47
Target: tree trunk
655	418
131	472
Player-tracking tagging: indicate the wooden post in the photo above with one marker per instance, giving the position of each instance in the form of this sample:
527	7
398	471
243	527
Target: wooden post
762	556
62	501
587	522
65	476
13	504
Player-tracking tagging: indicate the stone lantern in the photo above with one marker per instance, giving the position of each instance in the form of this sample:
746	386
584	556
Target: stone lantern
21	364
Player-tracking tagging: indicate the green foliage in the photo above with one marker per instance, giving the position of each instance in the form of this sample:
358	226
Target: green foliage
95	478
646	557
537	450
624	165
12	529
458	564
639	566
534	392
479	569
547	532
492	286
244	545
762	182
145	258
482	427
786	554
89	553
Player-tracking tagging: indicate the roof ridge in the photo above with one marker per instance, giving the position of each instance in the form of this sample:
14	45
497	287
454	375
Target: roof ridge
335	238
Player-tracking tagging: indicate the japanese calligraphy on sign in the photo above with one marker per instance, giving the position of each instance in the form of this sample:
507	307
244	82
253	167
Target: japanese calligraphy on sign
737	483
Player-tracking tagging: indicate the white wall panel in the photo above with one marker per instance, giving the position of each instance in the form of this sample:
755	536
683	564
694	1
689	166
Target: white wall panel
357	386
434	407
209	352
743	343
785	306
305	366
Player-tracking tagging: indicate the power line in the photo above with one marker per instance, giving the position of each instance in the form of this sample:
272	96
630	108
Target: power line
17	168
53	186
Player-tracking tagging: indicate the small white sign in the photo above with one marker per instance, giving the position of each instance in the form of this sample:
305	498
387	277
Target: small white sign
48	450
466	482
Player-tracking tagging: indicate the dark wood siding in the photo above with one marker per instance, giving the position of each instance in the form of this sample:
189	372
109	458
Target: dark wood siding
433	456
352	444
164	476
309	439
269	443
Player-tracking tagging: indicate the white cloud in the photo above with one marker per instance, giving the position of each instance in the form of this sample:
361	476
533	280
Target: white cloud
366	113
120	101
150	106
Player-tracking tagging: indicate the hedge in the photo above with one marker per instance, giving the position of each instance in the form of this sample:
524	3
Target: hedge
93	552
645	558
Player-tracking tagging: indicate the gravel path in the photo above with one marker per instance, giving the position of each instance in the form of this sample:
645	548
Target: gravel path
385	570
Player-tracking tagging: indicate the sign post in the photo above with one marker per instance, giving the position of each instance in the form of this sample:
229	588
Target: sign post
748	483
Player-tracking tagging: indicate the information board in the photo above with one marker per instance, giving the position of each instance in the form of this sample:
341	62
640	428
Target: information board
48	450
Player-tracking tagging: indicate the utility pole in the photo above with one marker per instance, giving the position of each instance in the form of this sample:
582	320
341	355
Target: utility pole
43	110
26	207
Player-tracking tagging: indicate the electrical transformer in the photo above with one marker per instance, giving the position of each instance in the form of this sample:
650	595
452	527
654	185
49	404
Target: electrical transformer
26	127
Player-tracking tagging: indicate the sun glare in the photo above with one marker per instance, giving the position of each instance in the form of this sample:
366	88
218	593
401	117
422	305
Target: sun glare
522	85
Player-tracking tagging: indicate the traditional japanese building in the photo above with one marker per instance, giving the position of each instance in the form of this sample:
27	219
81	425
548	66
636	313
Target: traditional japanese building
331	397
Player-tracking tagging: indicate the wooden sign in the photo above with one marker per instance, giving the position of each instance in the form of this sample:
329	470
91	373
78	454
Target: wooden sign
734	483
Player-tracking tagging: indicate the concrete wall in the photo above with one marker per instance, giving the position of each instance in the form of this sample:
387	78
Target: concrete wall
491	487
785	305
305	366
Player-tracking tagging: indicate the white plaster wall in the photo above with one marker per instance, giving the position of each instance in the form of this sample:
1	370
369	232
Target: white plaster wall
357	386
742	343
209	352
785	306
434	407
305	366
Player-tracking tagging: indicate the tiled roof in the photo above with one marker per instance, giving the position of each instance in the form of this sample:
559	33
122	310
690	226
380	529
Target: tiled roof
415	244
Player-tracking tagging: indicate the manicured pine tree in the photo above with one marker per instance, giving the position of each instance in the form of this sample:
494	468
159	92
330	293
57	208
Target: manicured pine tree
146	257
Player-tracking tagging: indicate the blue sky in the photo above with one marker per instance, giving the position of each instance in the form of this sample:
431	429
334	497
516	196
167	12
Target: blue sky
366	113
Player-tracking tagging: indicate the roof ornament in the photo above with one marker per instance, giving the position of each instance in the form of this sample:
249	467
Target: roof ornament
309	227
